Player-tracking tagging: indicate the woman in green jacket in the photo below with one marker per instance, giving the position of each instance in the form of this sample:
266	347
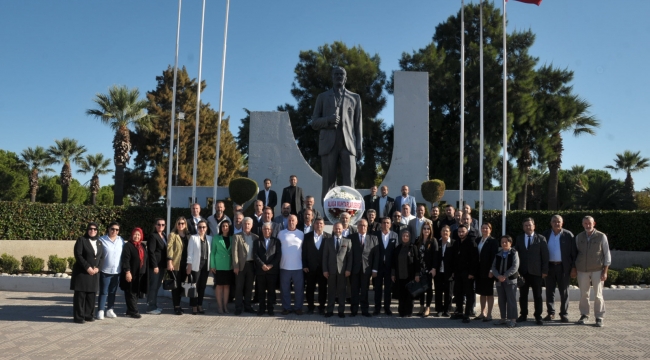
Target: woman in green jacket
221	266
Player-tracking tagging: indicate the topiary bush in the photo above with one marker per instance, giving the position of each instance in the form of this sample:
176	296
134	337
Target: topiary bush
433	190
9	264
243	191
632	276
32	264
612	277
57	264
71	260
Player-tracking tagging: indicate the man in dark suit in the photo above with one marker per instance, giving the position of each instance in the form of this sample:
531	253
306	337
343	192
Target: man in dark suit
309	204
562	252
443	272
472	232
385	205
195	218
267	252
269	197
337	266
465	271
397	225
312	262
258	207
381	266
348	229
436	221
283	218
371	201
307	223
292	194
450	217
533	266
373	225
267	216
405	199
363	248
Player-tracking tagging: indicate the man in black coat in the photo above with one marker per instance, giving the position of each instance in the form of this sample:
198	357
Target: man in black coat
381	266
293	195
443	273
562	253
533	266
472	232
385	204
371	201
267	252
269	197
465	271
363	249
312	263
195	218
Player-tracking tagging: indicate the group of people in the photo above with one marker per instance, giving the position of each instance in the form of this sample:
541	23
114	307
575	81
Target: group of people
394	247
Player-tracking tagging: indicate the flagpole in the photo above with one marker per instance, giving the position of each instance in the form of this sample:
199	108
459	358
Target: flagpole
198	109
223	73
462	102
480	193
505	125
171	137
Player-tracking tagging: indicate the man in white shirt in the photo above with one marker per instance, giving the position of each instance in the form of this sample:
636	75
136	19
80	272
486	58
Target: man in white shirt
405	199
195	218
312	262
291	269
381	267
259	212
307	224
406	215
415	225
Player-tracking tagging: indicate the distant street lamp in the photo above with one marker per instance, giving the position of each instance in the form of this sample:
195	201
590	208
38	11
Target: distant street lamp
180	117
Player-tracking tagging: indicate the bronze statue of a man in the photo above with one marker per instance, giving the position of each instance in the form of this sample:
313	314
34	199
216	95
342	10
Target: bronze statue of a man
337	115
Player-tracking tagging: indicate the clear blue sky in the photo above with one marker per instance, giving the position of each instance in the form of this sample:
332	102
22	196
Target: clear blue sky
58	54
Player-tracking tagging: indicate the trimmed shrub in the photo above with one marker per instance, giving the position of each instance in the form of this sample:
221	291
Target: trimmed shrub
9	264
632	276
32	264
433	190
646	276
242	190
57	264
612	277
71	260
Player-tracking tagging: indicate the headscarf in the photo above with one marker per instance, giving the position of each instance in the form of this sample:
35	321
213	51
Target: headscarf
87	234
138	244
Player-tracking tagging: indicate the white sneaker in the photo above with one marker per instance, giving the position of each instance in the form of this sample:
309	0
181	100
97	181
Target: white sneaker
154	312
100	315
110	313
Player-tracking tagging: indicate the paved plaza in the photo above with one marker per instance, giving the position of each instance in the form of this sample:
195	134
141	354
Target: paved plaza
39	326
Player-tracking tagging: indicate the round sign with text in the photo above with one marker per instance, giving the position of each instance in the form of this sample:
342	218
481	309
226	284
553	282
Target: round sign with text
342	199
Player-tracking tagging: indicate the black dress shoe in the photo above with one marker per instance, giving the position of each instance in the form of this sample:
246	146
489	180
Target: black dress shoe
90	319
329	315
388	312
376	312
466	320
549	317
341	315
445	314
271	313
286	312
80	321
200	310
522	319
353	314
321	311
135	315
260	312
250	310
564	318
539	322
238	312
310	312
366	314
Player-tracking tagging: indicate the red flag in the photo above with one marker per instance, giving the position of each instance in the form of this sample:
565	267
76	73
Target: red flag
536	2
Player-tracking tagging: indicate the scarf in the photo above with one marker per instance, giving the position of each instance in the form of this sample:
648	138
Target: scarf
87	234
138	244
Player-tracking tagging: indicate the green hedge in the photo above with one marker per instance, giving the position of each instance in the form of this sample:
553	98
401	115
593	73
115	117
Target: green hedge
626	230
36	221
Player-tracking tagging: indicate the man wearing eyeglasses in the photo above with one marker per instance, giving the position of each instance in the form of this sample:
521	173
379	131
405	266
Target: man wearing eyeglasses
109	276
397	225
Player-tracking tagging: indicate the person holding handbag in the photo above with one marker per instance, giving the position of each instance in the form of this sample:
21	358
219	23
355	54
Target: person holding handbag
177	260
88	253
406	268
221	265
198	261
133	278
505	269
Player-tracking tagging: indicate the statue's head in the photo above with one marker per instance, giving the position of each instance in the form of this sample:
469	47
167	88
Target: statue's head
339	76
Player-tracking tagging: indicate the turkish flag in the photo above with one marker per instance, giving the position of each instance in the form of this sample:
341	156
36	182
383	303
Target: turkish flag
536	2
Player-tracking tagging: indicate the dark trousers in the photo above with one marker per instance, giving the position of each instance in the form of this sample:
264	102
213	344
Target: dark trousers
131	300
314	278
201	279
535	283
83	305
405	300
178	292
560	279
266	285
428	294
382	284
244	287
464	290
444	288
336	289
155	281
359	286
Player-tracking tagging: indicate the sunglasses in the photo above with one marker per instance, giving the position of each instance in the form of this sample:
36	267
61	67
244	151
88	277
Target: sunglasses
92	229
114	229
160	224
181	223
202	227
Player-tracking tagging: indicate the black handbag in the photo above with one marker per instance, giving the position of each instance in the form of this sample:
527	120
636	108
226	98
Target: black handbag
417	288
170	283
189	288
521	282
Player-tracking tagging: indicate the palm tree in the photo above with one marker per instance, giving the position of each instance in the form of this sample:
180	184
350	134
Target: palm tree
630	162
97	165
604	194
65	152
119	109
38	161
